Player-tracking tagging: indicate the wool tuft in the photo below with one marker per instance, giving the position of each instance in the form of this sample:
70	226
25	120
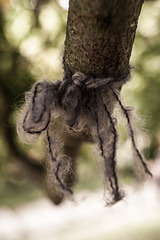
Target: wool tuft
82	101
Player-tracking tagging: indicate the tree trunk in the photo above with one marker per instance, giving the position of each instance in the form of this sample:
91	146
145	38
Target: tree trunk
99	38
100	35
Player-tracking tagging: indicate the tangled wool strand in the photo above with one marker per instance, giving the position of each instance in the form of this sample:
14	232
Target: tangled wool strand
113	183
82	101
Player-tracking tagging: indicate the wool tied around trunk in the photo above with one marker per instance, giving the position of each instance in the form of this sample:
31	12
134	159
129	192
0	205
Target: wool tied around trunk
82	101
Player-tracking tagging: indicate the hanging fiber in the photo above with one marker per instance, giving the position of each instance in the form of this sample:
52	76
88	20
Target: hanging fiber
82	101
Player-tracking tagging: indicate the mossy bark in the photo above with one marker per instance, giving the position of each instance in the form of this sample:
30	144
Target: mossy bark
100	36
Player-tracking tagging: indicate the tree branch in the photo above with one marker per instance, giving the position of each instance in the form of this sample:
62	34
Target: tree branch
100	35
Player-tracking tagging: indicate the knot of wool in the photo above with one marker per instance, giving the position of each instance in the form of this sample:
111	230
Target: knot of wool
82	101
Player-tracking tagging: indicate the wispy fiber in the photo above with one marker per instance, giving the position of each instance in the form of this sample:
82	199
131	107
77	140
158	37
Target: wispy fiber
82	101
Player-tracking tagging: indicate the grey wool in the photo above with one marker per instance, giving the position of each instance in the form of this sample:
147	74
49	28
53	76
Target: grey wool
81	101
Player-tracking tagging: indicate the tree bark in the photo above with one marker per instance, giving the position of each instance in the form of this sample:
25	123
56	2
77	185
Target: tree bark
99	40
100	36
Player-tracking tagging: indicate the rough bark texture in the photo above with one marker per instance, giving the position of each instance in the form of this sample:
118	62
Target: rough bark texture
100	35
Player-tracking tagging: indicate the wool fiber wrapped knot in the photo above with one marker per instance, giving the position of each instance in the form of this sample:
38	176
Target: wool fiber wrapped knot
83	102
79	79
92	83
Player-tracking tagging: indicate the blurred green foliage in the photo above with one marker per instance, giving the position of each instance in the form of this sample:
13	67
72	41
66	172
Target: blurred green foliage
32	35
31	38
143	90
16	191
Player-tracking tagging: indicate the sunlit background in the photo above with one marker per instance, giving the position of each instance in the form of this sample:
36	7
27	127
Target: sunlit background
32	34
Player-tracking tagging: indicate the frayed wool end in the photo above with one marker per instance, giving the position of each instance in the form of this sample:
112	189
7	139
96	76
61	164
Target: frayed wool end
82	101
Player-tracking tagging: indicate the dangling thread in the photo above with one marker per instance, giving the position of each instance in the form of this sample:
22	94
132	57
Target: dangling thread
58	165
114	186
132	134
76	99
118	195
46	127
